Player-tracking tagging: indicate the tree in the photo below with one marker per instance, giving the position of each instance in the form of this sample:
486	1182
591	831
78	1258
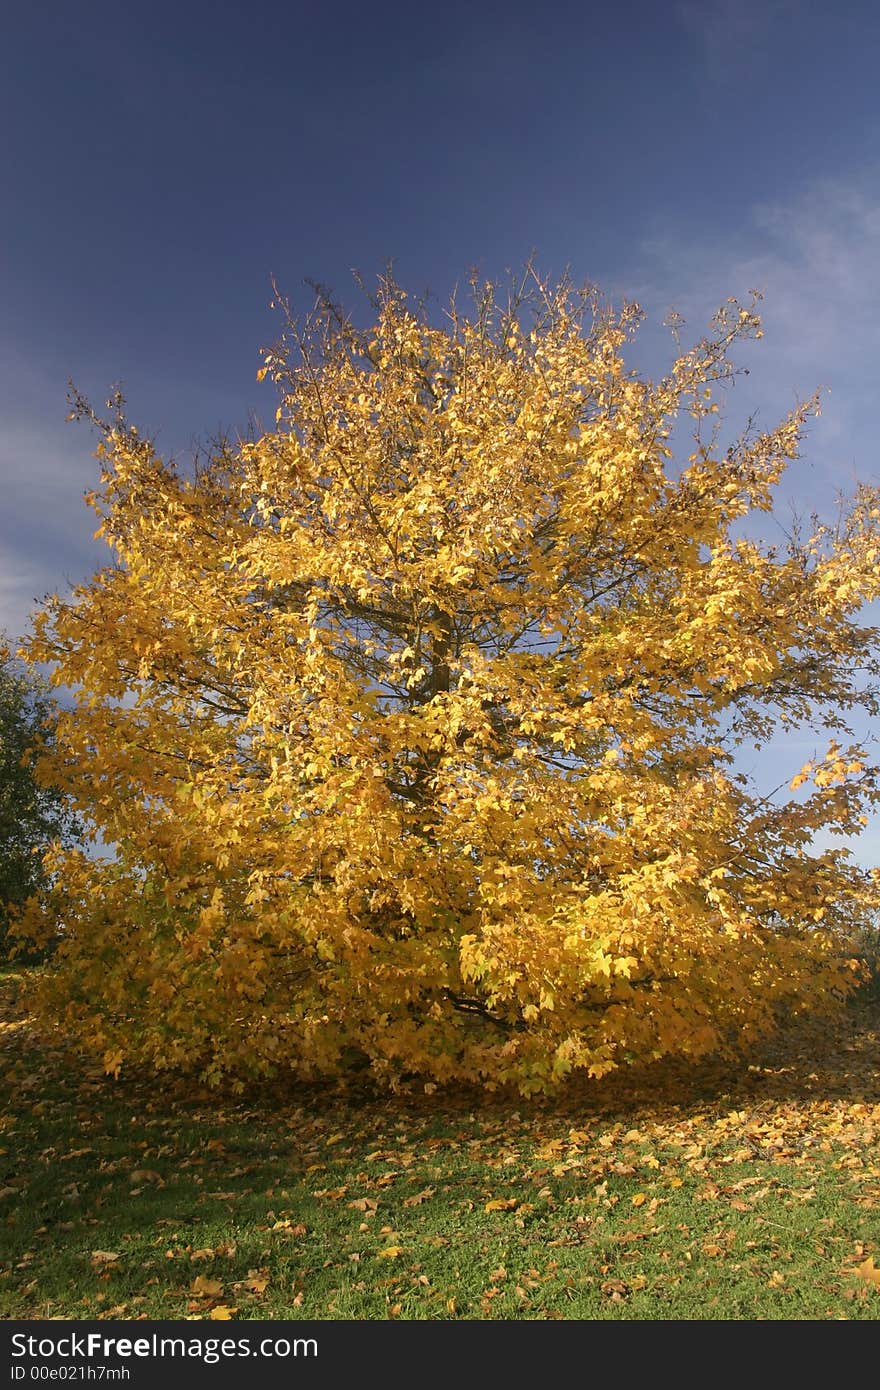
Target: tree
31	816
412	721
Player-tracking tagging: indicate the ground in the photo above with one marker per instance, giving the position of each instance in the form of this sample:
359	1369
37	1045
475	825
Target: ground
716	1192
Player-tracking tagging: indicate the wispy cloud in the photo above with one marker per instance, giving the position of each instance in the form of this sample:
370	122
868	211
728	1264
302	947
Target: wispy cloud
731	33
816	259
20	584
46	466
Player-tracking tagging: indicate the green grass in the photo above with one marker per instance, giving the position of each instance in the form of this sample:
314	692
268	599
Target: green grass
681	1194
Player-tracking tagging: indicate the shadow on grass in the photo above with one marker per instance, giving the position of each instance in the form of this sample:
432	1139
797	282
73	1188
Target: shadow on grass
810	1060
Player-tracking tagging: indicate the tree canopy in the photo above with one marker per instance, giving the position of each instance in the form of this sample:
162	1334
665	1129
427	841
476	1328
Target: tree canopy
413	721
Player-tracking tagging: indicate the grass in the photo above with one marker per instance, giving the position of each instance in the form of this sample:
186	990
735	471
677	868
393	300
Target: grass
690	1193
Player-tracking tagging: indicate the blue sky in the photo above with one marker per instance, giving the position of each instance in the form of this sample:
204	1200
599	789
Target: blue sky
160	162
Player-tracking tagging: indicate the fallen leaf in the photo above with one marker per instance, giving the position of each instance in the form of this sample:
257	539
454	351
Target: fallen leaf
502	1204
220	1312
868	1271
390	1252
292	1228
206	1288
615	1289
365	1203
416	1200
104	1257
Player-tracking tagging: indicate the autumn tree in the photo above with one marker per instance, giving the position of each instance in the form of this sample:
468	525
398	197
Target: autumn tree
32	815
413	722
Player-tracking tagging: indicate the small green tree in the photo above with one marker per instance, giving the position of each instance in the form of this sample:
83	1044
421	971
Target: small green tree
31	815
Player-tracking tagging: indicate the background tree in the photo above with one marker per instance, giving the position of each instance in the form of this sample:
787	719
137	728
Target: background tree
412	722
31	816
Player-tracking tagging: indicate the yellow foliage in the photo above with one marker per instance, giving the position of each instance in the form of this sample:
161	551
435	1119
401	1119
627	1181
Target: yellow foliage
410	723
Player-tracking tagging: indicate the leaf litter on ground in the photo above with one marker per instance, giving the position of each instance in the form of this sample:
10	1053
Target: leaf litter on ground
677	1192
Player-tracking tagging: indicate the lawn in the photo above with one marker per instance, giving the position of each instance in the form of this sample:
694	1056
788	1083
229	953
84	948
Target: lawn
683	1193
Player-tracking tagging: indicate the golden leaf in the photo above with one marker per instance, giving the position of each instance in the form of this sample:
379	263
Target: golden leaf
418	1198
868	1271
206	1288
502	1204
